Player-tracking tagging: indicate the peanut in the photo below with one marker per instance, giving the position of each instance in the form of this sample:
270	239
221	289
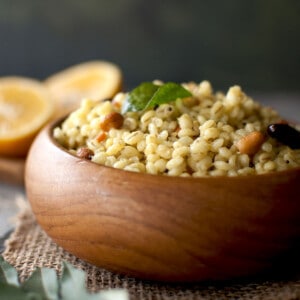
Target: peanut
85	153
251	143
112	120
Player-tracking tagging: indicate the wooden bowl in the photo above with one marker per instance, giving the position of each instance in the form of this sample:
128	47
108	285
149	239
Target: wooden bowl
159	227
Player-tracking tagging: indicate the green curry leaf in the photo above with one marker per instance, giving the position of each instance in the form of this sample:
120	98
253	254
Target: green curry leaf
148	95
168	92
139	97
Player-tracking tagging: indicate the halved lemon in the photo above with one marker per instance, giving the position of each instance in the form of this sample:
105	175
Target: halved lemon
97	80
25	106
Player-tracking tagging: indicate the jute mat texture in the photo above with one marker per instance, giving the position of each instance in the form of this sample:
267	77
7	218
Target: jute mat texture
29	247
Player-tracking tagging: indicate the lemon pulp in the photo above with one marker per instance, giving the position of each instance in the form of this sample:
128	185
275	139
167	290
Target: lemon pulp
25	106
97	80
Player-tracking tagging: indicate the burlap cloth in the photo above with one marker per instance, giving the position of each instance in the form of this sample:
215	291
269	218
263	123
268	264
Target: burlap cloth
29	247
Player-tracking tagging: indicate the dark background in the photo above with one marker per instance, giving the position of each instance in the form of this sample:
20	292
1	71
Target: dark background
253	43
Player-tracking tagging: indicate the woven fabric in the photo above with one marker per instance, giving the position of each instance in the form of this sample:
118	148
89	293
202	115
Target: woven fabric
29	247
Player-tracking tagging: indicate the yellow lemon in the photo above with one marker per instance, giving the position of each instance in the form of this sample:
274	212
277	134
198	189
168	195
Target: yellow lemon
25	106
97	80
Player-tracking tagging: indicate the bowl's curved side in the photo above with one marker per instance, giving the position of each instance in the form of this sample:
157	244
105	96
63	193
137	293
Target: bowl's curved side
160	227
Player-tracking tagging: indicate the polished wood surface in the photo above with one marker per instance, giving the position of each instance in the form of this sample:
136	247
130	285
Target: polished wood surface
159	227
12	170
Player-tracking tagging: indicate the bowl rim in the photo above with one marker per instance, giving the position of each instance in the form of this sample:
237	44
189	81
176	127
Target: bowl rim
55	123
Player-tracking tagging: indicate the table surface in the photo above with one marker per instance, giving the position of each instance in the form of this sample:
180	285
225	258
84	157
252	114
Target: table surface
287	104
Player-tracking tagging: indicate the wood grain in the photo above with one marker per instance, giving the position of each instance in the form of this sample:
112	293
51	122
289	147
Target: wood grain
12	170
160	227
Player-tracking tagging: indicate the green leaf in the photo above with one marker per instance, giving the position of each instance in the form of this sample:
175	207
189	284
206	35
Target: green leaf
9	291
148	95
72	283
33	296
73	287
8	274
44	282
115	294
139	97
168	92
